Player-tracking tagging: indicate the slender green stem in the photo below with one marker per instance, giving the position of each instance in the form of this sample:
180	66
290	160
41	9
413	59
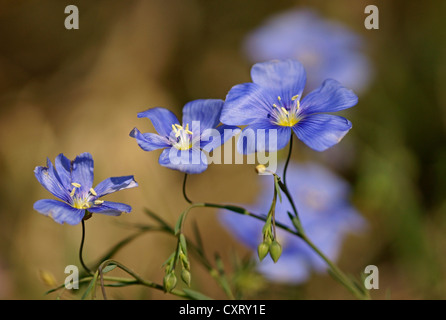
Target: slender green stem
339	275
137	278
81	249
184	190
285	168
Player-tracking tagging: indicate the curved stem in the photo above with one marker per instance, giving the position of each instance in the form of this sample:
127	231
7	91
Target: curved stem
184	190
337	273
285	168
138	279
81	249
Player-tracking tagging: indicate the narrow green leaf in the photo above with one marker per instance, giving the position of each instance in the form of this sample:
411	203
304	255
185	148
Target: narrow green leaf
158	219
117	247
90	287
108	268
276	185
183	244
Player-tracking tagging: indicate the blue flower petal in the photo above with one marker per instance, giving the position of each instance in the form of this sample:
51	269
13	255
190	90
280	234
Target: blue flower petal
111	208
190	161
213	138
114	184
63	167
47	176
59	211
284	78
82	172
162	119
149	141
330	97
205	111
246	103
322	131
263	136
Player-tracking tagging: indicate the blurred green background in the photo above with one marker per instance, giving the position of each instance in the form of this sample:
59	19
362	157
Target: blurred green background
75	91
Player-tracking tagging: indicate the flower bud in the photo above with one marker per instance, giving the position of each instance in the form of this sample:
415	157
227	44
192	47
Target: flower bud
262	250
169	282
275	250
185	276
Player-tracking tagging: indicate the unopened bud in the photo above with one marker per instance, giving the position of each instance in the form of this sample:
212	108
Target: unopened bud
185	276
262	250
169	281
275	250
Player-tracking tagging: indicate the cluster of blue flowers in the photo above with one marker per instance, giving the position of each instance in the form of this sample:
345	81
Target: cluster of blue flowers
270	103
266	111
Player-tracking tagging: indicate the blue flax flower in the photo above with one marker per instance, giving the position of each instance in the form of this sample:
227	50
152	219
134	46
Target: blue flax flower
270	105
326	215
184	143
326	48
72	182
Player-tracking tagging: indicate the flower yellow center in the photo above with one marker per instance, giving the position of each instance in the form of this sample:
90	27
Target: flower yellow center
79	201
183	137
286	117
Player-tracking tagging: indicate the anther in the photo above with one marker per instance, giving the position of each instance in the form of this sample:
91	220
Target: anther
93	192
97	202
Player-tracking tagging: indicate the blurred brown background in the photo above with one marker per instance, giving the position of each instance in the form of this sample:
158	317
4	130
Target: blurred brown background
74	91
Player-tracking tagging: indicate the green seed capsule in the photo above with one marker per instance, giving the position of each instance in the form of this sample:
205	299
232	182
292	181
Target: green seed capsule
275	250
262	250
170	281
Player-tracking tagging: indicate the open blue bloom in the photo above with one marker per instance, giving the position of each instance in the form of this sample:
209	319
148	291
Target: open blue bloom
72	183
184	143
271	106
326	214
326	48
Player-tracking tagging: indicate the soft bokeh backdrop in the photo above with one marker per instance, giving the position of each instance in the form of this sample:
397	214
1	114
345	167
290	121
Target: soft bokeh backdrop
75	91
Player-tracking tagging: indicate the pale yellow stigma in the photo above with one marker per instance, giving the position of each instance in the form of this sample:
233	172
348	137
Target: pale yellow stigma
182	134
75	185
79	203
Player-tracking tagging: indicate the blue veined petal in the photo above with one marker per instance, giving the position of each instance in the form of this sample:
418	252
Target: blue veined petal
322	131
213	138
205	111
59	211
114	184
330	97
190	161
111	208
63	167
284	78
47	178
263	136
82	172
149	141
162	120
246	103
